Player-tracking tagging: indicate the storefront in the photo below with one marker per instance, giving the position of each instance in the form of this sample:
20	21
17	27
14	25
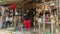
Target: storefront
44	12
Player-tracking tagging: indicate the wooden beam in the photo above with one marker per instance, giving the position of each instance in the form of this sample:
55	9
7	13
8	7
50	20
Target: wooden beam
26	1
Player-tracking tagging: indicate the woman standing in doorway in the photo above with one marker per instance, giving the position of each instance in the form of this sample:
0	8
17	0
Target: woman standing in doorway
27	21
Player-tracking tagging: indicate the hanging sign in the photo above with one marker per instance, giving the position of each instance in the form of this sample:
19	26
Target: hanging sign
13	6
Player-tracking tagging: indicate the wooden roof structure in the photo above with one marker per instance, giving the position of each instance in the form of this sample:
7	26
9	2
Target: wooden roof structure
27	3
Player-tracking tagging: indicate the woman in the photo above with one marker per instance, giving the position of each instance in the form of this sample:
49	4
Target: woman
27	21
5	23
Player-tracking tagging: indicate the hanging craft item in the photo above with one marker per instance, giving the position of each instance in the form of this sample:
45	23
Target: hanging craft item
46	8
47	18
6	8
52	4
13	6
39	10
43	7
52	19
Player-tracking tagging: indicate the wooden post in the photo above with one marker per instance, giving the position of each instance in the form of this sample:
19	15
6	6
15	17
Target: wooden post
57	14
52	28
44	17
44	23
39	28
57	23
22	11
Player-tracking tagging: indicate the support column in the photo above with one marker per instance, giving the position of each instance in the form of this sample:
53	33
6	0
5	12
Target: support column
52	28
43	23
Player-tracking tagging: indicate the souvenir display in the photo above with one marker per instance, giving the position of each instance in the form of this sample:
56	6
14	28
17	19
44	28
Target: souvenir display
28	15
47	18
52	19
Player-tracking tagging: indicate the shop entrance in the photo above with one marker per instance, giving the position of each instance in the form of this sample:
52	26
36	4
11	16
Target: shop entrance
39	16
